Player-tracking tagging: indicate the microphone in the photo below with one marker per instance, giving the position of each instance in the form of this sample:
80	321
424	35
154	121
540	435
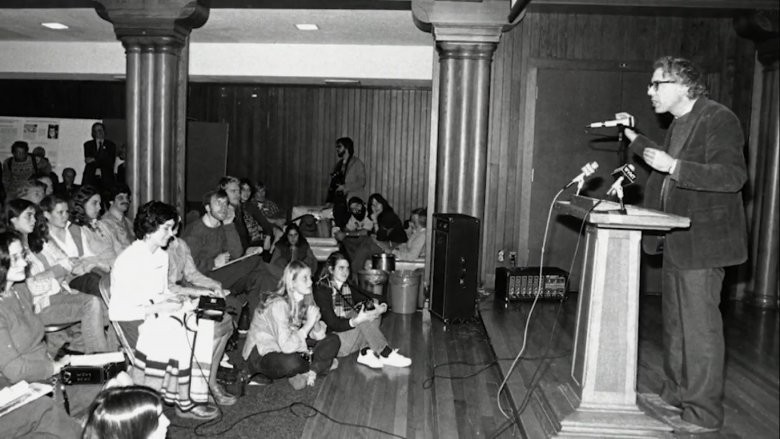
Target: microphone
623	173
579	180
626	122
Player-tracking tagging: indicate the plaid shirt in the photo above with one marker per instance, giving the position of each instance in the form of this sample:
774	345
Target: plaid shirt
343	305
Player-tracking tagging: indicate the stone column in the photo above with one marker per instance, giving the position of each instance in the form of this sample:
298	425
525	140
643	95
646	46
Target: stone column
155	34
762	28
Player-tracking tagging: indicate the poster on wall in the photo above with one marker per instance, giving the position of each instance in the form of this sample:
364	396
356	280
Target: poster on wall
63	139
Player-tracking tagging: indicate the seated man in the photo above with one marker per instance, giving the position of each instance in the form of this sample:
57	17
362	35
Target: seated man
270	209
115	219
359	223
214	242
414	248
252	226
68	187
184	279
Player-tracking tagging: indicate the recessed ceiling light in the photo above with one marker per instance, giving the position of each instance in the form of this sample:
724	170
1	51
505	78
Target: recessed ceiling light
342	81
56	26
307	27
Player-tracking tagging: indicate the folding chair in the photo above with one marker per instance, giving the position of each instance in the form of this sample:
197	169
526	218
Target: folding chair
105	293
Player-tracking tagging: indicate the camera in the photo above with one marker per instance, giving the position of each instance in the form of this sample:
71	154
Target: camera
211	308
367	305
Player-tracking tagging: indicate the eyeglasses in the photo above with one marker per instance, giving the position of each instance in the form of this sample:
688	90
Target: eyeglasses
654	84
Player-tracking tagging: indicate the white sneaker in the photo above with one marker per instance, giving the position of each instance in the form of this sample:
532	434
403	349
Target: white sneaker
395	359
225	362
369	359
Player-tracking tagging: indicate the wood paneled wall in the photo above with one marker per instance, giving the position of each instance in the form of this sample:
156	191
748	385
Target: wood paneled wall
285	136
621	39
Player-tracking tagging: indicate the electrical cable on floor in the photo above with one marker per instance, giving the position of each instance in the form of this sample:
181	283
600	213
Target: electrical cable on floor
536	377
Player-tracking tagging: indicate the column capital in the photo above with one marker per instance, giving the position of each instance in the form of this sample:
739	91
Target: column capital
469	21
466	50
153	22
763	28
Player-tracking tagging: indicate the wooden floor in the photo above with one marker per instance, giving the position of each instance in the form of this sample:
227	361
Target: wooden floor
752	344
406	403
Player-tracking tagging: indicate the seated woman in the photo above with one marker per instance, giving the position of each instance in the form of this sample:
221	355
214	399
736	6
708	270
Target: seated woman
414	248
388	228
23	353
287	337
160	325
54	301
97	241
133	412
356	327
292	246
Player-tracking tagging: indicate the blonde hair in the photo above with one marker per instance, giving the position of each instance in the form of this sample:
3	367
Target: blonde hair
297	308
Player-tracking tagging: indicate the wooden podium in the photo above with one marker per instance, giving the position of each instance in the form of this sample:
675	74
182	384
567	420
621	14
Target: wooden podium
604	365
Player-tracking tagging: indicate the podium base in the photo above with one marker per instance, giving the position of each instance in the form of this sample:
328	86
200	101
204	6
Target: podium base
594	423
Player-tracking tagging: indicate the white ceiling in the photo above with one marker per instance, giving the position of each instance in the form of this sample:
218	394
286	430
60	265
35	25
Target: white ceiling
269	26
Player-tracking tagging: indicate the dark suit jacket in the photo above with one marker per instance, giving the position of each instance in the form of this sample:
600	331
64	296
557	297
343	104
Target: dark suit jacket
705	187
104	160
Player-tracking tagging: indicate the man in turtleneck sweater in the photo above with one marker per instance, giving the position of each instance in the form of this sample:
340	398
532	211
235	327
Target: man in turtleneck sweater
698	172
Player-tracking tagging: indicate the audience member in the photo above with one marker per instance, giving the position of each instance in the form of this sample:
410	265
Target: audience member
30	190
23	354
292	246
54	302
68	187
214	243
414	248
115	219
287	337
359	222
99	158
270	209
184	279
97	241
42	164
343	310
158	324
388	228
60	247
46	180
348	179
252	226
18	168
133	412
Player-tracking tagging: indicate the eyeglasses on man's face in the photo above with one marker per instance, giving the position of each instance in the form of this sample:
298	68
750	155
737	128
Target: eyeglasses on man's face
654	84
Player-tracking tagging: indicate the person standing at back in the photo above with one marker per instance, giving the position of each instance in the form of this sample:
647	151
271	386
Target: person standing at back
99	158
348	179
698	172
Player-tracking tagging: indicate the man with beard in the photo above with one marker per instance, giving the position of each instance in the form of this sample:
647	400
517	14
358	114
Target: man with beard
348	179
359	222
217	251
115	219
698	172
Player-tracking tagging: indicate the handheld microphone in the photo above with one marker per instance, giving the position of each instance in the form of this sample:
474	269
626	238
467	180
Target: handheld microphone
623	173
626	122
587	171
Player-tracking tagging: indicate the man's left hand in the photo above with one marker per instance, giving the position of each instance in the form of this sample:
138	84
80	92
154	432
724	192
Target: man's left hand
253	251
658	160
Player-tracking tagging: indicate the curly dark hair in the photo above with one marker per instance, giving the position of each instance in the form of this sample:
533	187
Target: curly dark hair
381	200
285	242
78	215
686	72
347	143
151	216
252	187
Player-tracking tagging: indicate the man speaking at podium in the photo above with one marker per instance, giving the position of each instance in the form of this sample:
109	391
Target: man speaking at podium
698	172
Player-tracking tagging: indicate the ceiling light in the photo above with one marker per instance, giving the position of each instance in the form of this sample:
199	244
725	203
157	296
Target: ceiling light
53	25
307	27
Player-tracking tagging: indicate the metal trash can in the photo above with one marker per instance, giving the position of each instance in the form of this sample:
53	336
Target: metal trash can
372	280
404	290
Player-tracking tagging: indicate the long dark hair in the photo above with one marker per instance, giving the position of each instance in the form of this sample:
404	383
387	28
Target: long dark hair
381	200
40	232
123	413
283	241
6	238
78	215
326	275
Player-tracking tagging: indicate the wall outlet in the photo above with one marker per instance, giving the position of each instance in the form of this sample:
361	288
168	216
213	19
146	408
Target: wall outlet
500	256
513	258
